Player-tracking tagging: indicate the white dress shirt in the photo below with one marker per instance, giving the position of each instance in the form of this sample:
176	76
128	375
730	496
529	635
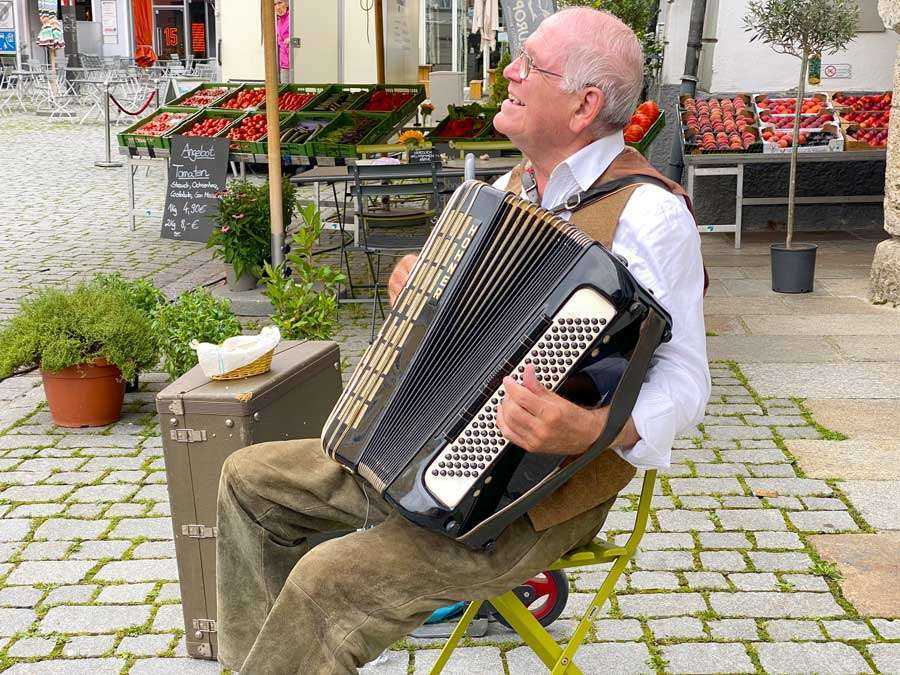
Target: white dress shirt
659	239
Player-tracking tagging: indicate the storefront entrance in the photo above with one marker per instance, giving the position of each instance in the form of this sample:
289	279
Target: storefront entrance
184	29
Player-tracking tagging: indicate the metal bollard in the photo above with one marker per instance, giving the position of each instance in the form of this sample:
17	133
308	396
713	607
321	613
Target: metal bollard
109	163
469	172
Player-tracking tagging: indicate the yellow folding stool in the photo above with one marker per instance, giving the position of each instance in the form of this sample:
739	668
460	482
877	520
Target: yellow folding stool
560	661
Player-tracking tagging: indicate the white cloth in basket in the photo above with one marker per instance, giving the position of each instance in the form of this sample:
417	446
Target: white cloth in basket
235	352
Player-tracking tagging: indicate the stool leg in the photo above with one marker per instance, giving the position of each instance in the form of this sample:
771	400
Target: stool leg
532	632
455	636
581	630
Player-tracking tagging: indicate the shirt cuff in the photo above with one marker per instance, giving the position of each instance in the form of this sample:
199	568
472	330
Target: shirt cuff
654	420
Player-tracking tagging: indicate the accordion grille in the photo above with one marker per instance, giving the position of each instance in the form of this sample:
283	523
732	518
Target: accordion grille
516	257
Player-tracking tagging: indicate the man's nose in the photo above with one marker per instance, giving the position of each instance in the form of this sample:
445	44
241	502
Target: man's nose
511	72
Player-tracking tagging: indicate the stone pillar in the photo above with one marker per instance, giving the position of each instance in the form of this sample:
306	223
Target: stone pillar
885	275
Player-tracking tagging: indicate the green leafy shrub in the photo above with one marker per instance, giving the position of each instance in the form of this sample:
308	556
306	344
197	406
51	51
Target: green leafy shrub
141	294
59	329
196	315
501	85
243	237
305	307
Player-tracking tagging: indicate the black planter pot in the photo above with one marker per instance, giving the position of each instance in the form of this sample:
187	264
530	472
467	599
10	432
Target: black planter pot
793	269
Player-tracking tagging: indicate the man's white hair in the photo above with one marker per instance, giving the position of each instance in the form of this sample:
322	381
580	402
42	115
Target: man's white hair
610	59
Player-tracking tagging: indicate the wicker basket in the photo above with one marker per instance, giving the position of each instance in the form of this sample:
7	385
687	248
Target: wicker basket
261	365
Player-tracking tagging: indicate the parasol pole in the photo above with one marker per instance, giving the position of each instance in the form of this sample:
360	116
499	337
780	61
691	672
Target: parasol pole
273	131
379	41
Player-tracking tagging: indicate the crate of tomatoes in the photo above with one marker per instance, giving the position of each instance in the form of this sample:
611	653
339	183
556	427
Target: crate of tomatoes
296	97
462	123
249	133
153	130
244	98
208	123
398	100
204	95
644	125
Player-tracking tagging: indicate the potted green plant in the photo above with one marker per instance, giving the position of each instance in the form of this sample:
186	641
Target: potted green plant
243	236
140	294
305	304
196	315
87	342
801	28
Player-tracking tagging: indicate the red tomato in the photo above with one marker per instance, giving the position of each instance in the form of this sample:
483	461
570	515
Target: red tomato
634	133
650	109
642	120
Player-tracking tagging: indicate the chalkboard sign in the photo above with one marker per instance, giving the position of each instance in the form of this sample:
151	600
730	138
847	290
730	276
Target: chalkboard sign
421	156
522	17
197	168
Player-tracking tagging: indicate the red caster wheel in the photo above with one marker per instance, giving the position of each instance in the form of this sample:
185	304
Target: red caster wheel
545	596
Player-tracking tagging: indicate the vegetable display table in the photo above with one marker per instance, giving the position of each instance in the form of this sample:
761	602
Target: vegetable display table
701	165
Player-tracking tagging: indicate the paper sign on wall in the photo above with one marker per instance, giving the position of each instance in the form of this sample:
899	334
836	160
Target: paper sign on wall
837	71
110	22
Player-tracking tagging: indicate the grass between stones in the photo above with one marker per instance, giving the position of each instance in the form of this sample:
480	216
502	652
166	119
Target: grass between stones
148	429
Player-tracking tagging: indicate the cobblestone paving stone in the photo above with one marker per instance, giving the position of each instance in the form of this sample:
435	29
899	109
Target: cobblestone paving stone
726	580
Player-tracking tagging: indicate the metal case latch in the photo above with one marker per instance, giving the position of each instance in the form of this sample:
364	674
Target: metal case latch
202	626
188	435
197	531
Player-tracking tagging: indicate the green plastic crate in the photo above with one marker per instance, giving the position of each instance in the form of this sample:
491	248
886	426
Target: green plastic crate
484	113
230	86
130	138
315	89
377	133
405	111
219	104
354	92
206	113
303	149
260	146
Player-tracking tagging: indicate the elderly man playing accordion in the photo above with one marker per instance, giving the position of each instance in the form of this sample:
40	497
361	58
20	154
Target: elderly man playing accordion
285	607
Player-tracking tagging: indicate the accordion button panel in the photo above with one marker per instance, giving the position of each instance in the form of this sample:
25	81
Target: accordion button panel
575	328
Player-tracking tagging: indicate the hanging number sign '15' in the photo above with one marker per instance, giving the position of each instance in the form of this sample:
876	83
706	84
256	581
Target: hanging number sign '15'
522	17
197	168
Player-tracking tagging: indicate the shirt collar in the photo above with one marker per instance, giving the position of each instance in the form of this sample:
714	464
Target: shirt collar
578	172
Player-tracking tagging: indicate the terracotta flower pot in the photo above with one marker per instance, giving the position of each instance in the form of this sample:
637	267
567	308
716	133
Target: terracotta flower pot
86	395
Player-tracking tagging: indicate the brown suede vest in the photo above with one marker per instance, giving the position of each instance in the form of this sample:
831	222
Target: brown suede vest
608	474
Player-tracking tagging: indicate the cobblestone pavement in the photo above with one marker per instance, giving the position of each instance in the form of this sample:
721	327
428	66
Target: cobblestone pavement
66	219
726	580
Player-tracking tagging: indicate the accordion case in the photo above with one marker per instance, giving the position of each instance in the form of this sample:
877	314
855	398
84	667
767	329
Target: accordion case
499	284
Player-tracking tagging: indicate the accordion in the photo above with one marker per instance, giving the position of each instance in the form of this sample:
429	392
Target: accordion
500	283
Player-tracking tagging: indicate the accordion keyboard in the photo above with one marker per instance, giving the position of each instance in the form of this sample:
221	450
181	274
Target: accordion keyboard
574	331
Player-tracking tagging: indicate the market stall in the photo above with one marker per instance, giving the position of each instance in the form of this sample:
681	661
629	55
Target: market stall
722	135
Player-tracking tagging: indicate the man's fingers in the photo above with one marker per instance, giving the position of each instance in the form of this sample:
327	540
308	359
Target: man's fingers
509	433
531	382
524	397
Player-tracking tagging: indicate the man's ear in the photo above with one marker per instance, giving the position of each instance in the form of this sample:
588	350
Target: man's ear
590	105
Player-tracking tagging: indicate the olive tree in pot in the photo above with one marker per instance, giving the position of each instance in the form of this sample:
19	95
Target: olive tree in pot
800	28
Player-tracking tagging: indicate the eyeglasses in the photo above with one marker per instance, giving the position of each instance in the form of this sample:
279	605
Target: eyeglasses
526	65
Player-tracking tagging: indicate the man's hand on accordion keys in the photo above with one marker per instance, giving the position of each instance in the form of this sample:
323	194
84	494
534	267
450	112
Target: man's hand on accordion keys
539	420
399	276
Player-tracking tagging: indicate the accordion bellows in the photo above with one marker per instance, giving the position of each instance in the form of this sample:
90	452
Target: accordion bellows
499	284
